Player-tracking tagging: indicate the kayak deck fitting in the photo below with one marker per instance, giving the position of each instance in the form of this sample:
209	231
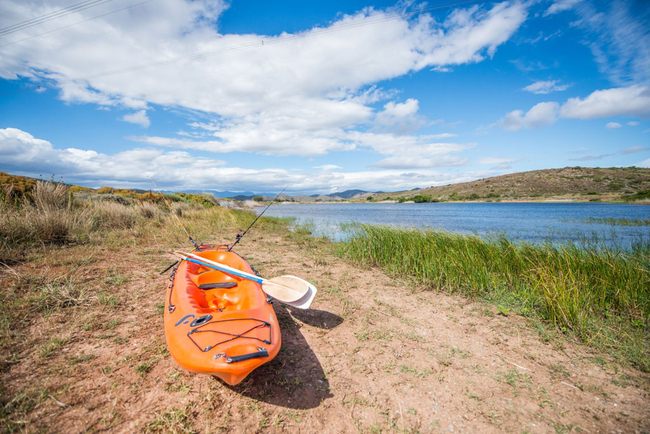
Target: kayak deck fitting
216	323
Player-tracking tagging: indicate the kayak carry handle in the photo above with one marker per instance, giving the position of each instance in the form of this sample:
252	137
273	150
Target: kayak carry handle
216	285
261	353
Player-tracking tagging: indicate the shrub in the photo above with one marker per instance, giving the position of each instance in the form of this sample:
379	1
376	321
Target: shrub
424	198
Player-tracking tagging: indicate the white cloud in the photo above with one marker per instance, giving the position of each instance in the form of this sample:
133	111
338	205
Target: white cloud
632	123
542	114
22	153
623	101
442	136
399	117
644	163
616	32
545	87
138	118
294	91
320	143
328	167
560	6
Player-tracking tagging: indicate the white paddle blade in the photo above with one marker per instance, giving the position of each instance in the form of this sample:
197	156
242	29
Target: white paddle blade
308	296
286	288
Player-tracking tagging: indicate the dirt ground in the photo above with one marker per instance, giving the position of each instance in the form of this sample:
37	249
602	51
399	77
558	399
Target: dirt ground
373	355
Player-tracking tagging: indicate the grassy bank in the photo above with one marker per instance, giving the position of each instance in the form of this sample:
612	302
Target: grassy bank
51	214
599	294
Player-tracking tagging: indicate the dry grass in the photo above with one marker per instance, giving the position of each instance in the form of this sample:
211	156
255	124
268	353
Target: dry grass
53	216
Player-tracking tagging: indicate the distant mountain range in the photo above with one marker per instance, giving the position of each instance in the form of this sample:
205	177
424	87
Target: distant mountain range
231	194
249	195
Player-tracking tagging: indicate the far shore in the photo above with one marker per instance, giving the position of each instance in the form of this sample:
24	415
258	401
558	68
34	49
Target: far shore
263	204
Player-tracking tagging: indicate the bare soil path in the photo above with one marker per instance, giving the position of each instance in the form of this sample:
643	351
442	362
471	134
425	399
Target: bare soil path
373	355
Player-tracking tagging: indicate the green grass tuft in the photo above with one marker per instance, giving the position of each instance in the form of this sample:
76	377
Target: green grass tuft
599	294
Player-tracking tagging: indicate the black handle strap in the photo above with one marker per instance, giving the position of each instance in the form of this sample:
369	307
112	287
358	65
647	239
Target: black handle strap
261	353
216	285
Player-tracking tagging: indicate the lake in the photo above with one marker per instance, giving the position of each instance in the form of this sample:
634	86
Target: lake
534	222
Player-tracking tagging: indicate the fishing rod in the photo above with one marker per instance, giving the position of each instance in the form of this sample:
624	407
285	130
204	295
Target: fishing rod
240	236
196	246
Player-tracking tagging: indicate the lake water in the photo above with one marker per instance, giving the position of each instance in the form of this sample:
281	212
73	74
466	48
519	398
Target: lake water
534	222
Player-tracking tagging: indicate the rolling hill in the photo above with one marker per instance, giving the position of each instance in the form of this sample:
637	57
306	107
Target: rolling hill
569	183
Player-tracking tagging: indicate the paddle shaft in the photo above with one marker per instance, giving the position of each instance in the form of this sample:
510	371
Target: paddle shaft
228	270
283	290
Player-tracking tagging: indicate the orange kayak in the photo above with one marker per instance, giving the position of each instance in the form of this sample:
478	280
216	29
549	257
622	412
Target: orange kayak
219	324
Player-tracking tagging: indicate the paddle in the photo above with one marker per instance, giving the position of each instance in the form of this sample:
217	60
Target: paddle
289	290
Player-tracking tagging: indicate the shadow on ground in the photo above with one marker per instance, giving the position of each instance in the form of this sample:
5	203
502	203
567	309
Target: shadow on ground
316	318
295	378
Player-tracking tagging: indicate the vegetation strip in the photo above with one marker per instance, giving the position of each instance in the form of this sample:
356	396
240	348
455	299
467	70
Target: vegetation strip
617	222
601	294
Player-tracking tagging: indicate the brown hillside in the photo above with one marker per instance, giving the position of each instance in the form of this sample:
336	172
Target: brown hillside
608	183
21	184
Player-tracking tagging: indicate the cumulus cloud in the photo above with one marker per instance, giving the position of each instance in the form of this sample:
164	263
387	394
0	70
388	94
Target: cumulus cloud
400	117
320	143
644	163
622	101
22	153
545	87
542	114
138	118
613	125
268	94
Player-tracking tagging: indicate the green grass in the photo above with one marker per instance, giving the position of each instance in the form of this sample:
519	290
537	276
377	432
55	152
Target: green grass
617	222
599	294
171	421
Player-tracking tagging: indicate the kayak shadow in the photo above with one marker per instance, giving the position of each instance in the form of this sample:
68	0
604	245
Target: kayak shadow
295	378
316	318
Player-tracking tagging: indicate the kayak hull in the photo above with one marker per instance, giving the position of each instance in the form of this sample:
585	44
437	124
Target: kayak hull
219	324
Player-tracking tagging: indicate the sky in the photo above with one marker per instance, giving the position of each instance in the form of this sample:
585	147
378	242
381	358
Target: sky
319	97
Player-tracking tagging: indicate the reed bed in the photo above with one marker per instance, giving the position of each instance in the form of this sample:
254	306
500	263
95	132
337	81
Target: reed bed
617	222
599	293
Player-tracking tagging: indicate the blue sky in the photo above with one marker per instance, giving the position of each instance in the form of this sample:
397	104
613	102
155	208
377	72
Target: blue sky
320	96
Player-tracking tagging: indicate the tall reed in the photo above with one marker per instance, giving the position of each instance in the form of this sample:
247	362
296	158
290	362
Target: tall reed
600	293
